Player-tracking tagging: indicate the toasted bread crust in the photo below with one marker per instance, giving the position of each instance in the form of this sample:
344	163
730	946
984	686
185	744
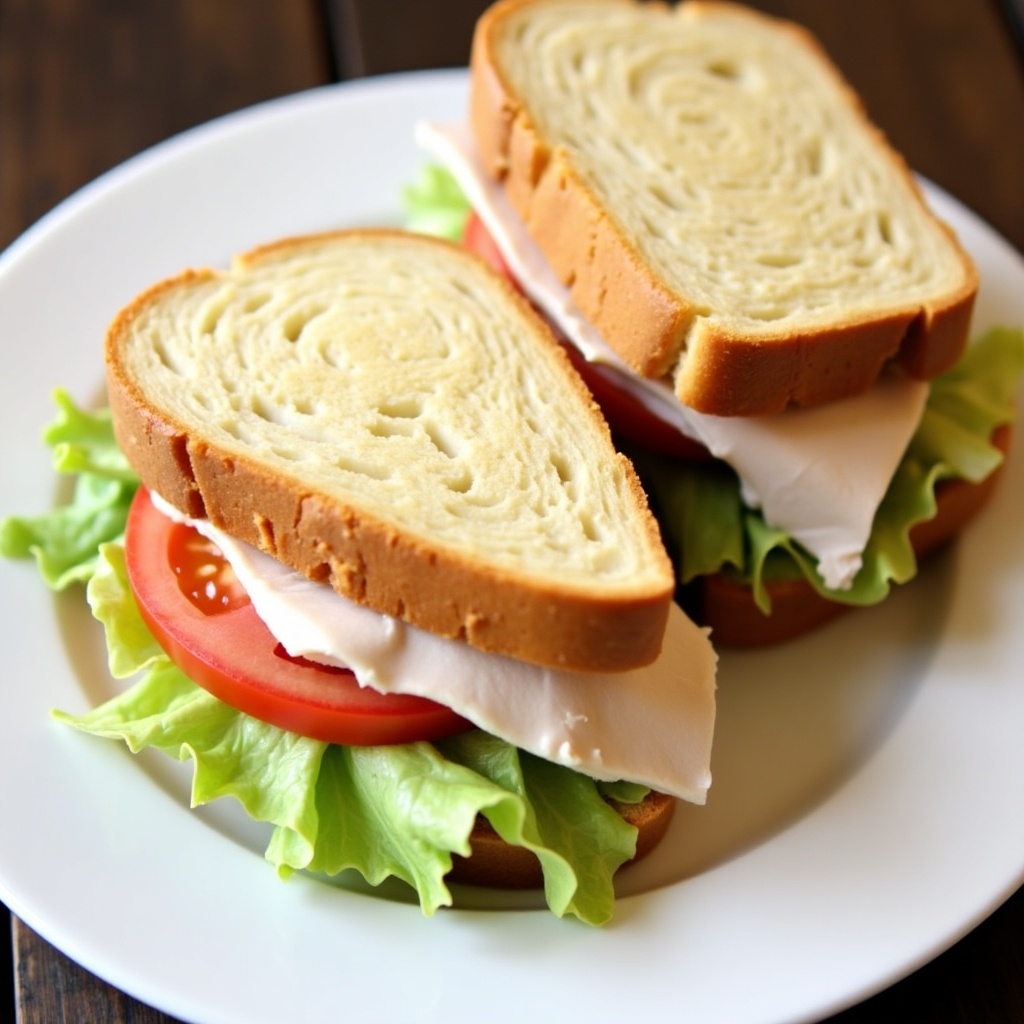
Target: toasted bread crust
636	312
655	327
495	864
366	557
797	608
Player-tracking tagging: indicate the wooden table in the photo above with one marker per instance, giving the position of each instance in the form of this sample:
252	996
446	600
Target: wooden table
85	85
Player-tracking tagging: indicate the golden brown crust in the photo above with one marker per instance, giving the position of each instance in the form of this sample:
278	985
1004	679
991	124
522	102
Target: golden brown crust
935	340
797	608
606	277
651	326
496	864
156	449
367	559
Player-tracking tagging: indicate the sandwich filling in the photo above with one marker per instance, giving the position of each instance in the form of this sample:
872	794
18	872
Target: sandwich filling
827	494
652	725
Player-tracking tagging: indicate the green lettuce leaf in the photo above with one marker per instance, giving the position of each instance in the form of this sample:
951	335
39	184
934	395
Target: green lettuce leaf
710	530
556	813
83	442
435	205
406	809
64	541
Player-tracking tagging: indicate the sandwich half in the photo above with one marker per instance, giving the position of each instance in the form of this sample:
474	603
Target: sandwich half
384	575
622	160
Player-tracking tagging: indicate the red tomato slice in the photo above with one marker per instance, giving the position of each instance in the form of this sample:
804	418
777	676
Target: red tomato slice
633	421
201	616
627	417
476	238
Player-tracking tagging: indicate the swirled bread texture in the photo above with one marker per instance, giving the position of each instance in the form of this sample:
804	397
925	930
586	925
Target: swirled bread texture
715	197
384	413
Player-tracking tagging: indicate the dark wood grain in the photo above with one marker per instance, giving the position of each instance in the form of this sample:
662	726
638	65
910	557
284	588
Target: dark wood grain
85	84
400	35
50	987
1013	12
7	1005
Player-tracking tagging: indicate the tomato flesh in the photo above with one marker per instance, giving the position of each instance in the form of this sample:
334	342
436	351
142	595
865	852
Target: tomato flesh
627	417
631	420
201	616
476	238
203	574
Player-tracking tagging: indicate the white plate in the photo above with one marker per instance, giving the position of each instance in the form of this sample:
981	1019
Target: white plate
869	781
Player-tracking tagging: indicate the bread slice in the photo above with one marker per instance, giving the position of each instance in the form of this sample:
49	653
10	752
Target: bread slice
384	413
712	192
728	607
497	865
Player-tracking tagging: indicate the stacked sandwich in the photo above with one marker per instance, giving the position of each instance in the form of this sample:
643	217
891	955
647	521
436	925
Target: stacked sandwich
754	287
383	573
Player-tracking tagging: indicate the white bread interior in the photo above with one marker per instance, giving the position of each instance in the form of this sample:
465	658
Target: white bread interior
384	413
714	195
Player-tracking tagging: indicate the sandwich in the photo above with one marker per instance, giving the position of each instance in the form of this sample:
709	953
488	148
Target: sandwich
749	278
356	529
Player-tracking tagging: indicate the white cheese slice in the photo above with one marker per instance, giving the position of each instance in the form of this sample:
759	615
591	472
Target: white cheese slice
819	474
652	725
